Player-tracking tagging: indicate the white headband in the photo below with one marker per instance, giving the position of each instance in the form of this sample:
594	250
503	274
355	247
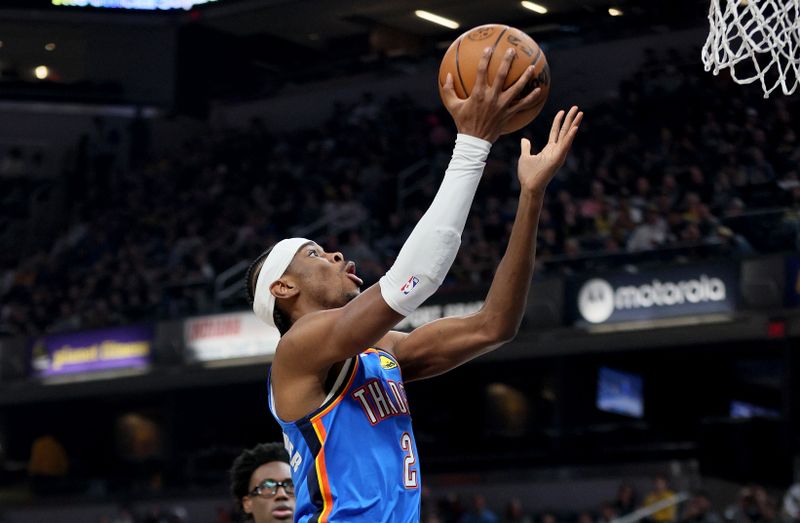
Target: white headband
273	268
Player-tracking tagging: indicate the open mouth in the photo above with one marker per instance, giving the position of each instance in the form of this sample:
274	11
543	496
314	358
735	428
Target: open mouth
350	271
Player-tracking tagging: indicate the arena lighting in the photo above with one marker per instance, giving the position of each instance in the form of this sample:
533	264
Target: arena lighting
436	19
50	46
146	5
613	11
536	8
41	72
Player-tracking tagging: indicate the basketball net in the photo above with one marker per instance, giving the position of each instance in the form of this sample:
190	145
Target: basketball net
757	40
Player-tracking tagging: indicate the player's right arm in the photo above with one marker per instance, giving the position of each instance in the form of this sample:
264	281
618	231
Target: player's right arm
319	340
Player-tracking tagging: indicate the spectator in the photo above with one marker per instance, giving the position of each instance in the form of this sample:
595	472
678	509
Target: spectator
13	164
607	513
123	515
759	170
791	504
479	513
626	501
548	517
650	234
698	510
753	506
661	492
48	465
515	513
731	243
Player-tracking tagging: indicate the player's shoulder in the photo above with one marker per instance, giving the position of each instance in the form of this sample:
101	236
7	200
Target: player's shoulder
297	346
390	341
310	328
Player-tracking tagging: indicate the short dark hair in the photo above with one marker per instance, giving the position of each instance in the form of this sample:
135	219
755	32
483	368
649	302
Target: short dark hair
248	461
280	318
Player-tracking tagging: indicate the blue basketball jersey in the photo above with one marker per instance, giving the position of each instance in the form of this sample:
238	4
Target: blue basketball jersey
354	459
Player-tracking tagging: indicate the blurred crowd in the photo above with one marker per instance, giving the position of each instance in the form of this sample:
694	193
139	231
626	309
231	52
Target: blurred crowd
681	165
752	505
659	500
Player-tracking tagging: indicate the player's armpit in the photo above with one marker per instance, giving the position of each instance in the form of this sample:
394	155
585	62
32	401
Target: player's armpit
444	344
321	339
317	342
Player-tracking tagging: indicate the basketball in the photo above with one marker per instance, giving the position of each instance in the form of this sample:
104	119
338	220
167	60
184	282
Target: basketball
462	58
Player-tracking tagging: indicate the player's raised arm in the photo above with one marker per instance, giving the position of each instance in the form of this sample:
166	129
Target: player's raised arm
444	344
320	338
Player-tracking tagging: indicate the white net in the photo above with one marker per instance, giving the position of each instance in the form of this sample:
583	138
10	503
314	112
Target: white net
756	40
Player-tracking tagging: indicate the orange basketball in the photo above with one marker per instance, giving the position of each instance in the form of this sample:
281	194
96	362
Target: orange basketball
462	57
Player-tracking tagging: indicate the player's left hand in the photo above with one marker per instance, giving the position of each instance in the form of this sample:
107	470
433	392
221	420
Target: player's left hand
536	170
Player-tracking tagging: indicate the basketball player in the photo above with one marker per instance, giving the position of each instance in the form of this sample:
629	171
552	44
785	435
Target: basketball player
261	483
335	384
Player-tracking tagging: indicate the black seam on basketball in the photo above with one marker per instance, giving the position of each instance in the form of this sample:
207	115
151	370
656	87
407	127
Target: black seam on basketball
536	58
498	39
493	48
458	69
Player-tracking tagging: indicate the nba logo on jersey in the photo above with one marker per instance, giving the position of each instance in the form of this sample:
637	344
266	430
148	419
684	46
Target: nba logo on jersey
409	285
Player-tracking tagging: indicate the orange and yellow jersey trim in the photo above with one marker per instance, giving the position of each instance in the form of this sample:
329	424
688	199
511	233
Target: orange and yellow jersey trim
355	458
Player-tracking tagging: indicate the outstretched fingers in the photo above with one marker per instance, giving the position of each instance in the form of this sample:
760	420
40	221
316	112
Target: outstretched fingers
556	127
568	133
502	72
449	91
572	130
514	91
480	76
573	111
577	120
529	101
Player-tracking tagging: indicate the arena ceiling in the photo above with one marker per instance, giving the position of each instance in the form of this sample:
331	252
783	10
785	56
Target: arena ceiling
319	19
279	41
315	22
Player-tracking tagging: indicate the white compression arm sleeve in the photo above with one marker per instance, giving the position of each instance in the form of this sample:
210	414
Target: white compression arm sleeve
430	249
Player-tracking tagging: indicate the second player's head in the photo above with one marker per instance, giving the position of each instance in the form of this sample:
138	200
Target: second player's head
261	482
296	276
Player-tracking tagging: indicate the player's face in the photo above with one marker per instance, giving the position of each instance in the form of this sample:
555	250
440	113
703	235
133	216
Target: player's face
326	277
265	507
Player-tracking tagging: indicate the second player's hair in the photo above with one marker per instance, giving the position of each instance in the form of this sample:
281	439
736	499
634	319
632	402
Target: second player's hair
248	461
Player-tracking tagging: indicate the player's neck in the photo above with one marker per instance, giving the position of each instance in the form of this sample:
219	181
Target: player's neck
302	307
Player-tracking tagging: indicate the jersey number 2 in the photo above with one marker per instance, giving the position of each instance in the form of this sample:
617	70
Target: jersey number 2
409	475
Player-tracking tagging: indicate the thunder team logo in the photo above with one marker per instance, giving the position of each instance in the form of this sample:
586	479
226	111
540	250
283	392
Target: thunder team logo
387	363
409	285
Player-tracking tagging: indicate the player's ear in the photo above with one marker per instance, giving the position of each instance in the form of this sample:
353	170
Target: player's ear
247	505
284	288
